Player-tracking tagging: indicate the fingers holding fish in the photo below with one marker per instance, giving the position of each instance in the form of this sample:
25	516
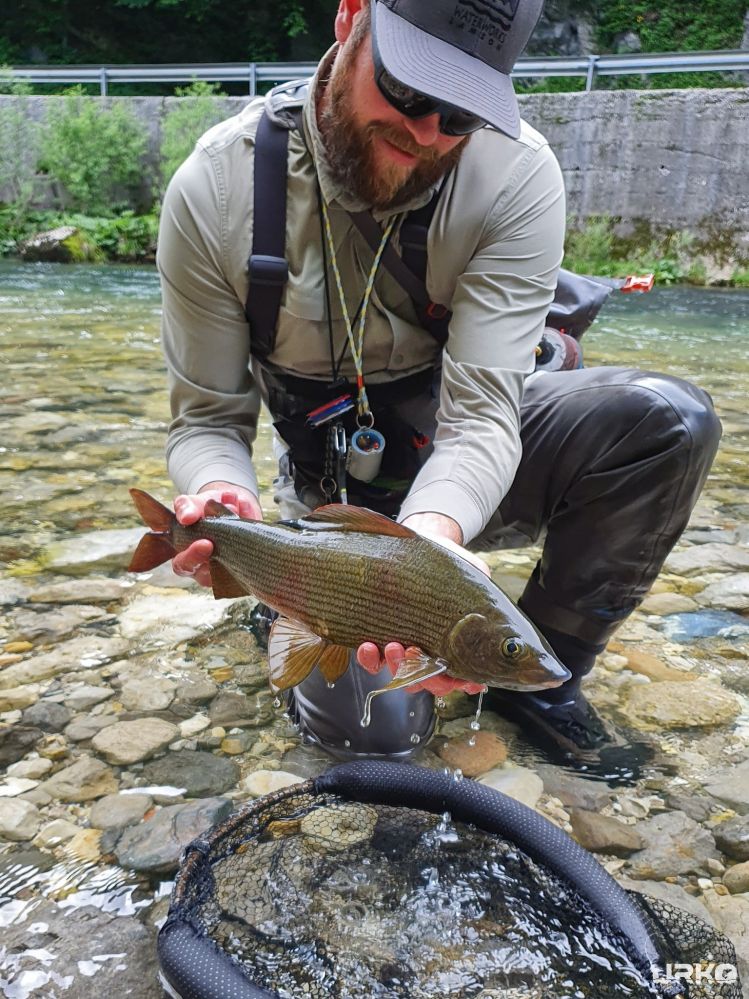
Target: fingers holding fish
193	561
189	508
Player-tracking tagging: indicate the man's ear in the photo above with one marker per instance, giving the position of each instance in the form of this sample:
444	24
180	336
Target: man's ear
344	21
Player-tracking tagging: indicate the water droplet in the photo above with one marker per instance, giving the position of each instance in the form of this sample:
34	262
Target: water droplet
347	743
458	775
330	686
472	741
411	714
276	702
475	725
439	703
415	739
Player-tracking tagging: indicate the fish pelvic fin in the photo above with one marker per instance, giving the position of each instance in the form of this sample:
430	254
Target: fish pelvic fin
224	583
157	516
152	550
294	651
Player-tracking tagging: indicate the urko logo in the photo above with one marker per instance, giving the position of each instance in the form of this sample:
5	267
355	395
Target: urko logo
703	972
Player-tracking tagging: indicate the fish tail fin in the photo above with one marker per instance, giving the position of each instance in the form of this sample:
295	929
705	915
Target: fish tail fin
157	516
152	550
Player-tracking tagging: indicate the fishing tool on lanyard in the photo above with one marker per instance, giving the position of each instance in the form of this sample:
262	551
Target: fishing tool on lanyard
367	444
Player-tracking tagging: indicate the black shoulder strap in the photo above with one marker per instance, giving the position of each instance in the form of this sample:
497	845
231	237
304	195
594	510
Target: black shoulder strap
268	269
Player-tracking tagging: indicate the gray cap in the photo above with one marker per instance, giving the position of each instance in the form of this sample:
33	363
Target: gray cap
458	51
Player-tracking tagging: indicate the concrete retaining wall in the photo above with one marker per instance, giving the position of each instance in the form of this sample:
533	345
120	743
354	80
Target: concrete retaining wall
670	159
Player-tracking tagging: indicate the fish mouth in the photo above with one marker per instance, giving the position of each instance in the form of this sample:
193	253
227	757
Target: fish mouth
548	674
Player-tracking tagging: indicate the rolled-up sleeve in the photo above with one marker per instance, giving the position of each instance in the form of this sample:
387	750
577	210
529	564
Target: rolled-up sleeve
214	400
500	303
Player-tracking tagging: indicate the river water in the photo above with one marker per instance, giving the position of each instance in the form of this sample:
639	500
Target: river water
85	412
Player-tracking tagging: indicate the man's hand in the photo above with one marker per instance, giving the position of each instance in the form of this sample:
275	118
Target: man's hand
446	532
193	561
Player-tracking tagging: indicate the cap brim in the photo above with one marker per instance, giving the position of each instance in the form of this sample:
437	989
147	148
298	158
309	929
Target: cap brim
444	72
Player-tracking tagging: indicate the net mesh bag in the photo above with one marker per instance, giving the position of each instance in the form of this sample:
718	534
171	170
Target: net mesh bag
390	880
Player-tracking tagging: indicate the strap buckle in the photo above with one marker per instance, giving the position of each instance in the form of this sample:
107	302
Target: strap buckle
268	270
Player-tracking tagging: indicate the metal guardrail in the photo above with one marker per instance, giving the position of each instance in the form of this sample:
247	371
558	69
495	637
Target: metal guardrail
253	73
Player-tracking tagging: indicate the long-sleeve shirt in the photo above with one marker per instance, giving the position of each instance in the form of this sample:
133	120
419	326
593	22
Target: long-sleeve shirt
494	248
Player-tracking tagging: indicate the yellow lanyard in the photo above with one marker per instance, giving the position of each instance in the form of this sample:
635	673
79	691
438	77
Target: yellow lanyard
364	413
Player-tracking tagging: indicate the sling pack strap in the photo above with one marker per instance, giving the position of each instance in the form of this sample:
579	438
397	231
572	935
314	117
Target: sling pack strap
268	268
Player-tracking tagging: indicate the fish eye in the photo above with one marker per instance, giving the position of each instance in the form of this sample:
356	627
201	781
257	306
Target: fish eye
512	648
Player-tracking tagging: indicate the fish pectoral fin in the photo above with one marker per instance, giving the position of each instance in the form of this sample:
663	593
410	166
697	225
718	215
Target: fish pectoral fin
223	583
340	517
410	671
294	651
334	661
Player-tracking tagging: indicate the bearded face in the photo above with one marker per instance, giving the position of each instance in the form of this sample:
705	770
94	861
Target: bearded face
363	135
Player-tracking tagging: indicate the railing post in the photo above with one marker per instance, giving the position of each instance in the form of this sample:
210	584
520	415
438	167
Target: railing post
253	79
590	79
103	81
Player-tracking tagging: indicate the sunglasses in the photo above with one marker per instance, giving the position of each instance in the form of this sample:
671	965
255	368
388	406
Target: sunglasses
413	104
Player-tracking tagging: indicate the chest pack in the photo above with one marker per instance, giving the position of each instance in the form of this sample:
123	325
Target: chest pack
577	299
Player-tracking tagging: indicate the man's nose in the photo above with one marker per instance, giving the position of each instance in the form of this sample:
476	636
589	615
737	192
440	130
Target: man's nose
425	130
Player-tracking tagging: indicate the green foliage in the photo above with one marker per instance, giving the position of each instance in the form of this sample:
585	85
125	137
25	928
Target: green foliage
184	123
740	278
19	145
125	238
95	152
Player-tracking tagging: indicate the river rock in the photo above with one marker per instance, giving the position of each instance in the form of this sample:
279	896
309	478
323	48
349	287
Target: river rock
16	741
49	246
652	667
199	773
116	811
155	846
12	592
84	728
736	878
602	834
730	593
517	782
34	769
731	915
731	787
18	698
732	837
267	781
47	715
668	603
197	690
80	952
676	845
13	786
673	894
486	754
710	557
573	791
132	741
91	590
671	704
228	708
147	693
698	807
96	551
86	696
19	820
56	833
82	653
194	725
46	626
84	780
170	617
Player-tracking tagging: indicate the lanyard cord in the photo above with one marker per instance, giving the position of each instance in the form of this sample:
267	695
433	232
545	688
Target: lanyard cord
333	366
357	345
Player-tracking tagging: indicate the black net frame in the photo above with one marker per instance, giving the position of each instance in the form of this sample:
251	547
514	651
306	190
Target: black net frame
195	967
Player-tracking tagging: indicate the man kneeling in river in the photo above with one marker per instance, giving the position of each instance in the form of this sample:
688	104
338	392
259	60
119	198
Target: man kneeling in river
415	394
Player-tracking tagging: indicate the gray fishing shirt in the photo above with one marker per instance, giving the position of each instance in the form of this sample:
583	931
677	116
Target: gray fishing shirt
494	248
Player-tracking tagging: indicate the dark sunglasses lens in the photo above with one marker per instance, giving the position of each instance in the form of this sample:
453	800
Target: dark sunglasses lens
405	99
456	122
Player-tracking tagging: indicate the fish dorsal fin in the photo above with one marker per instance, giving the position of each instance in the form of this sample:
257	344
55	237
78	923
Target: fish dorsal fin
294	651
340	516
215	509
224	583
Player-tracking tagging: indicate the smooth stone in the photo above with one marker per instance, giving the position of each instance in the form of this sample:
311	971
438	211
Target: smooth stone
85	845
731	787
33	769
602	834
697	807
85	652
84	780
731	915
663	604
85	728
18	698
132	741
91	590
194	725
572	791
486	754
669	704
93	551
86	696
118	810
13	786
16	741
736	878
517	782
235	745
199	773
47	626
170	617
13	591
229	707
713	556
47	715
731	593
19	820
267	781
54	746
676	845
197	691
732	836
147	693
703	623
56	833
651	666
155	846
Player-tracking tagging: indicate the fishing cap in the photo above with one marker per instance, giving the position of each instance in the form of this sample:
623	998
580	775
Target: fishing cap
458	51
